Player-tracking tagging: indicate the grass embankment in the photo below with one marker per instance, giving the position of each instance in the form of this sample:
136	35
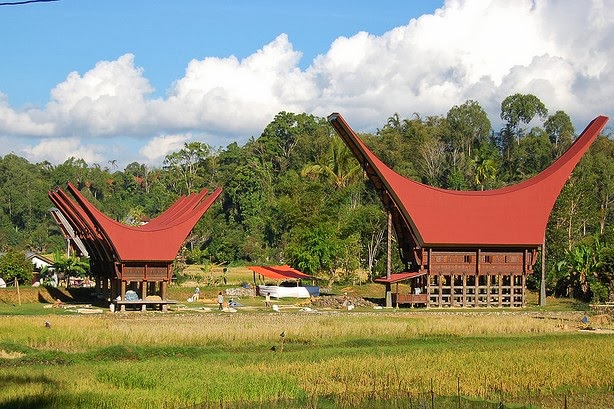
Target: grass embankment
179	360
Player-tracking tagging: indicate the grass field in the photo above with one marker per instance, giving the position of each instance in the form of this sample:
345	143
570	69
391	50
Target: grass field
194	359
198	358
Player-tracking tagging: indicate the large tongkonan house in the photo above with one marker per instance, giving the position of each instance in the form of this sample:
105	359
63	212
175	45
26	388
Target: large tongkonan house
467	248
127	257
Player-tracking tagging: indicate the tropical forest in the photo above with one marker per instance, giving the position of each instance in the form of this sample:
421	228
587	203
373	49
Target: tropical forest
296	195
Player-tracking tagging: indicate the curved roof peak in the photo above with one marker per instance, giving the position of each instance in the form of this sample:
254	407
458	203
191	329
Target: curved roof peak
513	216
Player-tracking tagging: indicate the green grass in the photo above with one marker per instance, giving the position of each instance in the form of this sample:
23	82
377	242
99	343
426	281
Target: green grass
531	357
330	359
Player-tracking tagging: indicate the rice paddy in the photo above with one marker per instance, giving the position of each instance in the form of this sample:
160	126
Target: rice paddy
337	358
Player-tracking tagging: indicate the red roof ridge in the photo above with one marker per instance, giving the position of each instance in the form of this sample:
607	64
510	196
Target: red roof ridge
512	216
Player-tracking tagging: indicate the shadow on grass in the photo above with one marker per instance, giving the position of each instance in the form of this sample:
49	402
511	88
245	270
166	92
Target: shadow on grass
48	401
29	402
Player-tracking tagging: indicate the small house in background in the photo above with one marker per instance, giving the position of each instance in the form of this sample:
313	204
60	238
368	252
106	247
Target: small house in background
38	260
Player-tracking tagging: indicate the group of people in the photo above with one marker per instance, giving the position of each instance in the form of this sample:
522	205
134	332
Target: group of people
220	299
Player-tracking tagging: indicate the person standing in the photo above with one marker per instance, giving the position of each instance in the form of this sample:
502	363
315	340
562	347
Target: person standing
267	300
220	300
196	294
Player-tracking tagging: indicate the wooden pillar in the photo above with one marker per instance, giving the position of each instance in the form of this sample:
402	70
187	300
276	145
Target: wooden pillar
143	285
500	282
98	285
464	289
512	289
163	290
105	288
122	290
451	289
439	281
542	281
389	261
524	288
123	295
428	290
488	290
476	291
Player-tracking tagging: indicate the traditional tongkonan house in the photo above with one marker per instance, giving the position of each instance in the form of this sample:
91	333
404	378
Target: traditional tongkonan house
136	257
466	248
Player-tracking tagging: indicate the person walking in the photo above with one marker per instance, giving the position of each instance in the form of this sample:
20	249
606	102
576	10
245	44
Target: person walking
267	300
220	300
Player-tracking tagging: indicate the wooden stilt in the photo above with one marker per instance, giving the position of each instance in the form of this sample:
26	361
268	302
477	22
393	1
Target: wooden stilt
163	290
500	283
452	290
488	290
464	290
123	295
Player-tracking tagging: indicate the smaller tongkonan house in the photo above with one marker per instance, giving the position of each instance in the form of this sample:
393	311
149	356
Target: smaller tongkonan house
466	248
122	257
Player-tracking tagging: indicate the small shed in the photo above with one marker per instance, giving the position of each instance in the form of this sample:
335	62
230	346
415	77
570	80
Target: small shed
282	276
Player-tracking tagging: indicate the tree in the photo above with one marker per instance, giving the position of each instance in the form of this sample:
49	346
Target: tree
560	131
69	267
469	126
340	167
518	111
315	250
187	164
15	266
485	171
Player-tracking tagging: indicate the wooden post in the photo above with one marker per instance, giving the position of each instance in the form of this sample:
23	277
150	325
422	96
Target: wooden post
439	278
512	289
500	283
18	294
464	289
524	286
488	290
163	290
452	290
389	261
143	294
104	283
542	284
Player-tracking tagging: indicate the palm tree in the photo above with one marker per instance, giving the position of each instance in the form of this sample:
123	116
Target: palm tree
340	167
485	170
69	267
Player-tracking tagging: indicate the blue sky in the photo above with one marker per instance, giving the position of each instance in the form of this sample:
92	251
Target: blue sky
49	40
134	80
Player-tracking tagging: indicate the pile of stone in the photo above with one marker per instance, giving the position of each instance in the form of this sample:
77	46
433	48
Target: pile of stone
340	302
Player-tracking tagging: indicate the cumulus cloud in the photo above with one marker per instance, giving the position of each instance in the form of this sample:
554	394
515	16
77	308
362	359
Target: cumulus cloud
57	150
480	49
157	148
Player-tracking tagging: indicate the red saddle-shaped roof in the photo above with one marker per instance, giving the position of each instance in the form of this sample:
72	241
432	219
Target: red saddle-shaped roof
514	216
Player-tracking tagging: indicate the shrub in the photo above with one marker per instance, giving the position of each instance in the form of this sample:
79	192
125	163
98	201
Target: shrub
15	265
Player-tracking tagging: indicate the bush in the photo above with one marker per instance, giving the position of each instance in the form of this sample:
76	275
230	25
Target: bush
15	265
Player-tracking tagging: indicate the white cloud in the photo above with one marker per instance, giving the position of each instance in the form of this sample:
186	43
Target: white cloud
560	50
57	150
157	148
108	99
